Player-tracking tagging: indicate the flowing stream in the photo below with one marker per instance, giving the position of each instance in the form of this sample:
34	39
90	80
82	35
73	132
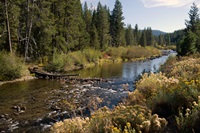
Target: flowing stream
33	106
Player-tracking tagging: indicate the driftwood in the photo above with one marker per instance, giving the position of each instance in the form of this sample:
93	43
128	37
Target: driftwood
46	75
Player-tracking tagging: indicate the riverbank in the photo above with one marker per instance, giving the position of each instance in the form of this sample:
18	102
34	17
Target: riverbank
48	101
154	106
24	78
90	57
87	58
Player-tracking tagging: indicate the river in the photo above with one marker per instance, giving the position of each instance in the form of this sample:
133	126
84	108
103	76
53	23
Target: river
33	106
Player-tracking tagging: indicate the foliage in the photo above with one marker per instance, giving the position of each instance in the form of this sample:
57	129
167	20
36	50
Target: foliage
57	63
188	119
92	55
115	52
163	94
169	47
116	29
185	68
140	52
11	67
189	44
77	59
122	119
129	36
67	27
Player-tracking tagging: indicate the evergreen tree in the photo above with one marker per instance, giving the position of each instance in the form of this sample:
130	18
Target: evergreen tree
116	28
161	40
136	34
187	46
149	37
94	41
190	43
129	35
87	16
103	26
38	29
10	24
3	31
143	39
94	35
194	18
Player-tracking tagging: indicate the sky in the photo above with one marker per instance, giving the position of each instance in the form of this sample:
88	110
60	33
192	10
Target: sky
164	15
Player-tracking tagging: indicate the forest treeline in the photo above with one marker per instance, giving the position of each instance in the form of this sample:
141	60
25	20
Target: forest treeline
34	29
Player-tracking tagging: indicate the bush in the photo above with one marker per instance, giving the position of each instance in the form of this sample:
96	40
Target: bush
184	68
11	67
140	52
92	55
57	64
122	119
77	58
115	52
188	119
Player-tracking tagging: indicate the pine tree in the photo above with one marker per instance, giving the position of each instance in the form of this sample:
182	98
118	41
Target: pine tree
149	37
116	28
103	26
129	35
87	16
143	39
46	26
190	43
161	40
94	40
136	34
10	24
3	31
194	18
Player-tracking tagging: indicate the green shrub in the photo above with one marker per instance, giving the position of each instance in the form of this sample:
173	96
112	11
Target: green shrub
188	118
92	55
11	67
140	52
115	52
184	68
122	119
77	58
57	64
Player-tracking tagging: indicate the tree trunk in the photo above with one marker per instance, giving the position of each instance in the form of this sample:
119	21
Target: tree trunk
8	26
28	30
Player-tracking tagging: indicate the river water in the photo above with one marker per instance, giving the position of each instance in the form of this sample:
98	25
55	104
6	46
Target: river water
32	106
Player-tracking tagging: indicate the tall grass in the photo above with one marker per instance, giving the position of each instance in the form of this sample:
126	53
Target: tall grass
140	52
11	66
131	53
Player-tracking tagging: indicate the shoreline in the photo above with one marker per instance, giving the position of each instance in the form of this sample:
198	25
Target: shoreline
24	78
101	61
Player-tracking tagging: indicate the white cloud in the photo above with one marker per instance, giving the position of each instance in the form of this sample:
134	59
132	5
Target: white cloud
168	3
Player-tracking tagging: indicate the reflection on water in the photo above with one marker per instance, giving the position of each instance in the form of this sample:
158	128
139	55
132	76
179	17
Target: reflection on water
125	71
131	70
122	73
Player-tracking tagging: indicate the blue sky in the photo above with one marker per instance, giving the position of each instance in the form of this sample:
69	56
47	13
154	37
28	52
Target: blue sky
164	15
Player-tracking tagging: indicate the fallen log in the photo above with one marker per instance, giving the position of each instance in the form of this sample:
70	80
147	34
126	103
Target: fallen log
46	75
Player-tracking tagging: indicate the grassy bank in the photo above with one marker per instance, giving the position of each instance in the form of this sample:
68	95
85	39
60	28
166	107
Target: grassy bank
165	102
90	57
11	67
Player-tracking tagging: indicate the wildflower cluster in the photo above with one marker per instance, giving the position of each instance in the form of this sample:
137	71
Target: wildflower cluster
150	84
188	119
185	69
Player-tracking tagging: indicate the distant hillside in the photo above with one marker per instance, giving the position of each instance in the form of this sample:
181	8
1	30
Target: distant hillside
158	32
